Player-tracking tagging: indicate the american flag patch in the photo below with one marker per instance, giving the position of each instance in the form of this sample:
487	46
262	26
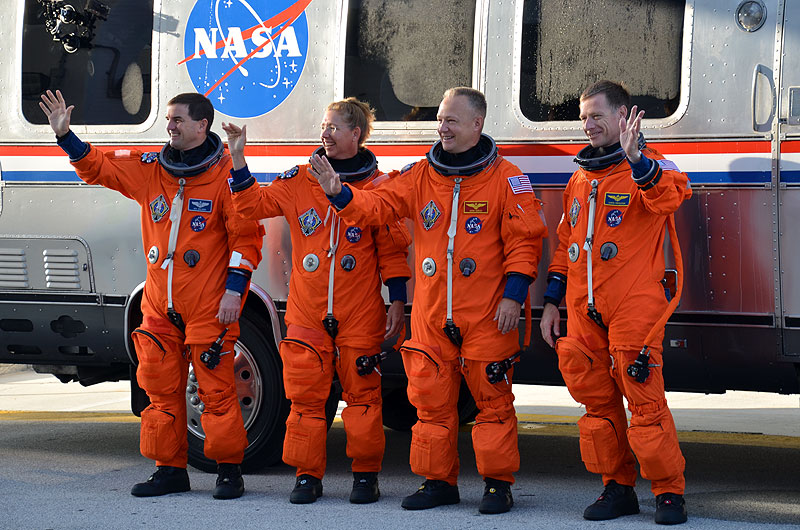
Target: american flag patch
520	184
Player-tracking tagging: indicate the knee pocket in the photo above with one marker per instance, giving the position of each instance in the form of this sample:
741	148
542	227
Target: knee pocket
159	439
431	449
159	366
657	450
304	445
428	376
599	442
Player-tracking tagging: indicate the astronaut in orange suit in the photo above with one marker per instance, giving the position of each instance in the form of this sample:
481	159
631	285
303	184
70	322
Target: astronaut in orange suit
335	312
200	256
609	263
478	238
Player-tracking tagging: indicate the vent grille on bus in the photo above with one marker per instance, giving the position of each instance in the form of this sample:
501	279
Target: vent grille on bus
61	269
13	268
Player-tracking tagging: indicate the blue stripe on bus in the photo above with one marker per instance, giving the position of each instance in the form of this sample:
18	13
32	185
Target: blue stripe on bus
696	177
537	179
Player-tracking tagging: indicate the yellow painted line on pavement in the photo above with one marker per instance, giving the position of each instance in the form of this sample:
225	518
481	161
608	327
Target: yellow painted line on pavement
528	424
87	417
541	424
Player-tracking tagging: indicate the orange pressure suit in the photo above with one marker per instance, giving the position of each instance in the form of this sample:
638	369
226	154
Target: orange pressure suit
497	230
630	223
362	255
209	234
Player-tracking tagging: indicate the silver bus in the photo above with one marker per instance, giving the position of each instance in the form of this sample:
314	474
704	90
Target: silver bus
717	79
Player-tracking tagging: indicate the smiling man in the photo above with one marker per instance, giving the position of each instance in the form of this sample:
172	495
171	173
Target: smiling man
478	239
200	256
619	203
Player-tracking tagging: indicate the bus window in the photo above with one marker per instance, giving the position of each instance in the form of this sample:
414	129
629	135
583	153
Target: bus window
568	45
402	55
97	52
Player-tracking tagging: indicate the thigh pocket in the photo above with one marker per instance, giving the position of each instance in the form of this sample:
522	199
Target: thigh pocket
304	371
159	370
586	377
428	375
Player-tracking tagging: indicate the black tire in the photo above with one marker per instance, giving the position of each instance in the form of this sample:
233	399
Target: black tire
259	383
400	415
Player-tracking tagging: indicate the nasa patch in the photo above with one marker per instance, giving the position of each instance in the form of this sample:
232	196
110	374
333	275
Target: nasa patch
158	208
149	158
473	225
198	223
200	205
289	173
309	221
574	210
430	214
614	218
246	56
353	234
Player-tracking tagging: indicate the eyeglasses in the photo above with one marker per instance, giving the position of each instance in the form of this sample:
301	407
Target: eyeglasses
329	128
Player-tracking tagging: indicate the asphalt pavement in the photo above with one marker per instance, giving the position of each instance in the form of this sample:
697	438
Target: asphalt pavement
69	455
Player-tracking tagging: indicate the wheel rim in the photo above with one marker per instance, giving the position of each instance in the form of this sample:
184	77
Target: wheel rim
249	390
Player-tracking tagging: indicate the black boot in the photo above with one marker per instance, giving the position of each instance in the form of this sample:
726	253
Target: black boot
306	490
432	493
496	496
166	479
670	509
615	500
230	484
365	488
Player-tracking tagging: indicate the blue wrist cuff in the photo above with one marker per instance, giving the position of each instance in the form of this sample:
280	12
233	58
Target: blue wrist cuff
343	199
640	168
397	289
517	287
238	280
240	175
556	289
73	146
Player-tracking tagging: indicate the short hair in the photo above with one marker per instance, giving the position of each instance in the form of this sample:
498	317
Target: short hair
355	113
475	97
616	94
199	106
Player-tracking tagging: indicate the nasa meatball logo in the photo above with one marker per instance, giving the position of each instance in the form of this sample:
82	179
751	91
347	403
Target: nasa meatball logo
353	234
246	56
614	218
198	223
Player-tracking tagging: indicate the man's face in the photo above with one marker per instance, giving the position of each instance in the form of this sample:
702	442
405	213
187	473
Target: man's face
338	139
459	126
600	120
184	132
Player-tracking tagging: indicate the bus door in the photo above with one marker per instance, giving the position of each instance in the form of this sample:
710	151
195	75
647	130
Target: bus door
787	141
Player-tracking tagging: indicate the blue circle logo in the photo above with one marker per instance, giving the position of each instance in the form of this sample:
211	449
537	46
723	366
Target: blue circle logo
246	56
353	234
198	223
614	218
473	225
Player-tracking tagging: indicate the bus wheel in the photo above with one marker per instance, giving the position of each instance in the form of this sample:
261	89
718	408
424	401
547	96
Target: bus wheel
259	384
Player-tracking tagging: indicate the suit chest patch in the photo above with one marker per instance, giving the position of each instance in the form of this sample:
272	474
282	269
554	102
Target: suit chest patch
200	205
473	225
158	208
430	214
616	199
476	207
353	234
574	210
309	221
